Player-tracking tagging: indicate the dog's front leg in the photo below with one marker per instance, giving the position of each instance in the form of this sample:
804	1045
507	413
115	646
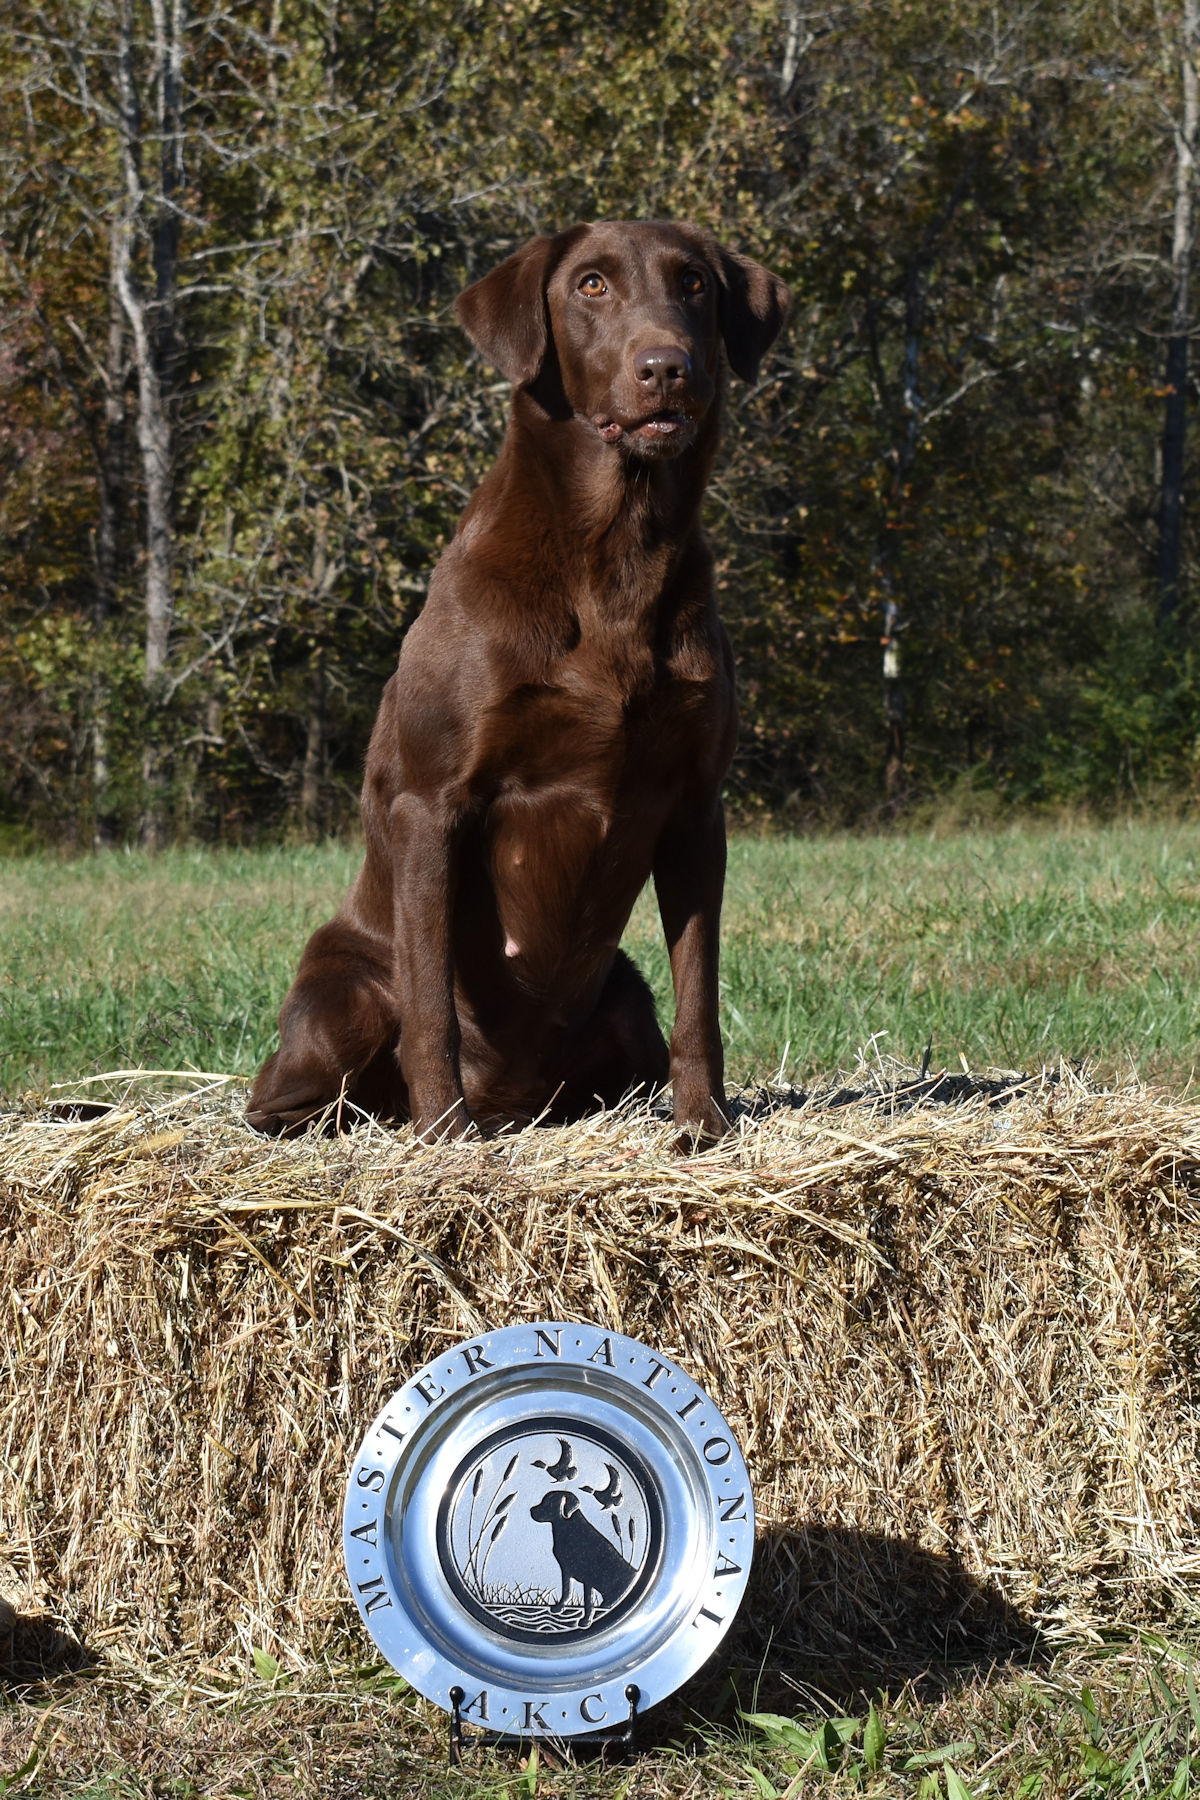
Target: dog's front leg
689	879
424	850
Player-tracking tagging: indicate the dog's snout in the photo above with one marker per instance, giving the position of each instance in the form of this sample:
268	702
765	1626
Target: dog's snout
662	366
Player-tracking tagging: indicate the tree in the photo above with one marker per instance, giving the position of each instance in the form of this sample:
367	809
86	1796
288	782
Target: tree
1170	534
241	422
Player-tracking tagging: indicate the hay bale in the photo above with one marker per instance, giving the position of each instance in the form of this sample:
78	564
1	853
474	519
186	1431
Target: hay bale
958	1345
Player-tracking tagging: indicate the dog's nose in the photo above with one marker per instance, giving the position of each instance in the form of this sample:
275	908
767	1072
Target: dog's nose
662	366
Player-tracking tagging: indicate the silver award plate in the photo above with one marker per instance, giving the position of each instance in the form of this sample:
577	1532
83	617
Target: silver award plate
542	1517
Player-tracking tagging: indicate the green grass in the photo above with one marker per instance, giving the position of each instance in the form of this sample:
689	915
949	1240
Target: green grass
1007	948
1113	1722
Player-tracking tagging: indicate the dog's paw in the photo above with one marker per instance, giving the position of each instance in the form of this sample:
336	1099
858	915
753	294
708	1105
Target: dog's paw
294	1121
700	1130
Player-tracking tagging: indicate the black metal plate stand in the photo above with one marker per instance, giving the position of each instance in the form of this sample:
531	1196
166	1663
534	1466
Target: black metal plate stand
619	1738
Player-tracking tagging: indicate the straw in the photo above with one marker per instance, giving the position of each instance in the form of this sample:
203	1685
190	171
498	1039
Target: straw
957	1344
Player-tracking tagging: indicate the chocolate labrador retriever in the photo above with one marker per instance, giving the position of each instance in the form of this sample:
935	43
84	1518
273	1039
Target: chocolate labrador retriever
557	729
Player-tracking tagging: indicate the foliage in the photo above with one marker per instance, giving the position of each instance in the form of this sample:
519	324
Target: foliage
968	202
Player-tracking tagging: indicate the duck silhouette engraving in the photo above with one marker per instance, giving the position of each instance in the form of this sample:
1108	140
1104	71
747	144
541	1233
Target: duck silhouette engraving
564	1469
610	1493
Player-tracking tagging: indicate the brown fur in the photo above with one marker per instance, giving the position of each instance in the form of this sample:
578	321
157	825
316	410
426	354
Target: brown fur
558	728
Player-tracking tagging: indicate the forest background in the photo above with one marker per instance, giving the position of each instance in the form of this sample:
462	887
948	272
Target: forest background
238	419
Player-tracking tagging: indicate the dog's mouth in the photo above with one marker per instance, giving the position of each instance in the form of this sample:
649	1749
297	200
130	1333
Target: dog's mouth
656	429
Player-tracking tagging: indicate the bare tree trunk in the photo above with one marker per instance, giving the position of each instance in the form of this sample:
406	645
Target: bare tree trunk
895	711
895	706
154	443
112	459
914	409
168	56
797	39
1174	439
111	473
152	328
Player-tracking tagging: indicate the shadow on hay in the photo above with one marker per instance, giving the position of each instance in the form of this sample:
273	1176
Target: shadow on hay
34	1647
833	1616
900	1096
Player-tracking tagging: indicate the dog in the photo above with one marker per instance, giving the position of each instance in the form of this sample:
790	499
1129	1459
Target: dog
557	730
583	1554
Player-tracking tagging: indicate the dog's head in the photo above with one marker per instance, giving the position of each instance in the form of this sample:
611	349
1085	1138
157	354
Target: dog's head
554	1505
621	324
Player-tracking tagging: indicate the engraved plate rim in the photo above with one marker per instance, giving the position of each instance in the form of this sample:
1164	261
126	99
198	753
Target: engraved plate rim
608	1382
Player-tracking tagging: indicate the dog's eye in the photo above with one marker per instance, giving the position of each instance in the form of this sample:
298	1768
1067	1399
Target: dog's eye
693	283
594	285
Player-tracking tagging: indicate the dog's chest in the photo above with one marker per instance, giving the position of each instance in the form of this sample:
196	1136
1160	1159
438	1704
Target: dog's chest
604	727
583	781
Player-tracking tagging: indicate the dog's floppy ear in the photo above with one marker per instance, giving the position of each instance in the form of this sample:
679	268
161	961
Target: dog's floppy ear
753	308
505	316
570	1504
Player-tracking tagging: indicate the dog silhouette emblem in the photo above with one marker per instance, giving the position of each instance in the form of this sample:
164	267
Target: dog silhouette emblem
584	1557
550	1529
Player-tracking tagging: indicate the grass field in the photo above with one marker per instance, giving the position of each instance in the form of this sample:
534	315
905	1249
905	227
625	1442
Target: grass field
1006	949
